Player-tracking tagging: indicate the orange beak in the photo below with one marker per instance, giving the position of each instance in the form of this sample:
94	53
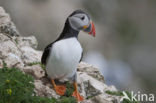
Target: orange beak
90	29
92	32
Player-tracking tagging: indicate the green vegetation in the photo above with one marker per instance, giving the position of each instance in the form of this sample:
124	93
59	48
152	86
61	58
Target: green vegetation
16	41
17	87
36	63
89	97
69	89
118	93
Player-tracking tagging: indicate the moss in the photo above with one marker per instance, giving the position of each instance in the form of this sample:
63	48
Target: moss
36	63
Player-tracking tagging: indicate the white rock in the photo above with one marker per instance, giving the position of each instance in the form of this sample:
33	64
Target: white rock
9	52
43	90
91	85
30	41
8	46
13	60
30	55
4	17
35	71
91	70
6	25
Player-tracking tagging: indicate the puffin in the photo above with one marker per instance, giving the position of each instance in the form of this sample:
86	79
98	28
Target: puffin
62	56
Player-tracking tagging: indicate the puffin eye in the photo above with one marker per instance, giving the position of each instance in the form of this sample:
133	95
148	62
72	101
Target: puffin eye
83	17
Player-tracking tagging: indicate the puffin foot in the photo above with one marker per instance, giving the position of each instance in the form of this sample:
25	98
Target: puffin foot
60	89
76	94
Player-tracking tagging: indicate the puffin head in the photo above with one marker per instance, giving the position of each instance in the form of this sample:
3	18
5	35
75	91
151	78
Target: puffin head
79	20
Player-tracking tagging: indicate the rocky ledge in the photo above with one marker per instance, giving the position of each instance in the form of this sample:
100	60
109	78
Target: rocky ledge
20	52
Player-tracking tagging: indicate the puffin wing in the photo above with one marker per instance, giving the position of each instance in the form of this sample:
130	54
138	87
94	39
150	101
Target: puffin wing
46	53
81	57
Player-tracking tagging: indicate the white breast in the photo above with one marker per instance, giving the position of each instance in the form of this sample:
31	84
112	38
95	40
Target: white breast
64	58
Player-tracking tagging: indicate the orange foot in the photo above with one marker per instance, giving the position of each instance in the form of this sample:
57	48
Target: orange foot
60	89
77	95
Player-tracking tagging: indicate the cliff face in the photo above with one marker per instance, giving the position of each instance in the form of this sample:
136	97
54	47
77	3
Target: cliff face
20	52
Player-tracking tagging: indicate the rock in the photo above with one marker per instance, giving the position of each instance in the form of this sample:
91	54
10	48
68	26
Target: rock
43	90
9	52
8	46
90	70
35	70
30	55
4	17
13	60
92	87
6	25
89	85
30	41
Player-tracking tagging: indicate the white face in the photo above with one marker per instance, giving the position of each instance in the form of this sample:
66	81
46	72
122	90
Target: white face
78	21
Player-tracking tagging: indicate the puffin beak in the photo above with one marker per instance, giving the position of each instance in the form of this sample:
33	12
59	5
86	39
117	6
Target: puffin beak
90	29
